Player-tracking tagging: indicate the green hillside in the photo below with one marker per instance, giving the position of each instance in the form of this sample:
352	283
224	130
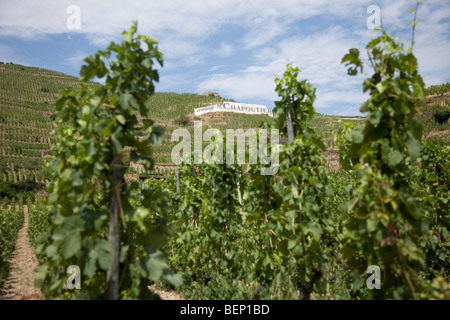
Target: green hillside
27	95
26	98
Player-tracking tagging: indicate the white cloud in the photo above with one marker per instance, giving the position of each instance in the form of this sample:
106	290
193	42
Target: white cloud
101	39
169	83
196	19
262	33
181	52
225	50
318	56
243	86
214	68
77	59
314	34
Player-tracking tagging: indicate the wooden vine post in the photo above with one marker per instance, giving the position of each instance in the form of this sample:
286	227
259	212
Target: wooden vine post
289	125
112	276
194	225
177	175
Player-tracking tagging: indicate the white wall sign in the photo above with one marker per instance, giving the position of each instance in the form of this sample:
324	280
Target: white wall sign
234	107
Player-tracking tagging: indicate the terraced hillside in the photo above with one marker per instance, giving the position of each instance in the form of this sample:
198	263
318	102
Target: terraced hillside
27	95
434	114
26	98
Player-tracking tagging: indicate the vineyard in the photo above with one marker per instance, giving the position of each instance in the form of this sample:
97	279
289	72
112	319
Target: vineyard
116	206
11	220
27	124
438	90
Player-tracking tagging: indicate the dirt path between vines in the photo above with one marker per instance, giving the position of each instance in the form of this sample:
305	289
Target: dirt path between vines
437	133
19	284
166	295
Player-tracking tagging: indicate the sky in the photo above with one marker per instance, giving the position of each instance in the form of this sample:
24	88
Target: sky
233	47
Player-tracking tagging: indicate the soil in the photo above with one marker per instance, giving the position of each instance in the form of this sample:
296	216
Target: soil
332	158
437	133
166	295
19	284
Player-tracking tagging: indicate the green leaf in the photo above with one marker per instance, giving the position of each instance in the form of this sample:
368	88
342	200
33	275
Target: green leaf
39	275
419	86
77	180
116	144
314	229
156	135
51	251
90	266
128	34
416	128
123	253
124	100
372	224
394	157
381	86
95	100
147	63
104	259
414	148
121	119
150	41
53	165
155	264
352	58
374	117
173	278
291	244
357	135
67	174
71	244
92	149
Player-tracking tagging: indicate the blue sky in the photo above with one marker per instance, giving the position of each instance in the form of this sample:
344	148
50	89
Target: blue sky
234	47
